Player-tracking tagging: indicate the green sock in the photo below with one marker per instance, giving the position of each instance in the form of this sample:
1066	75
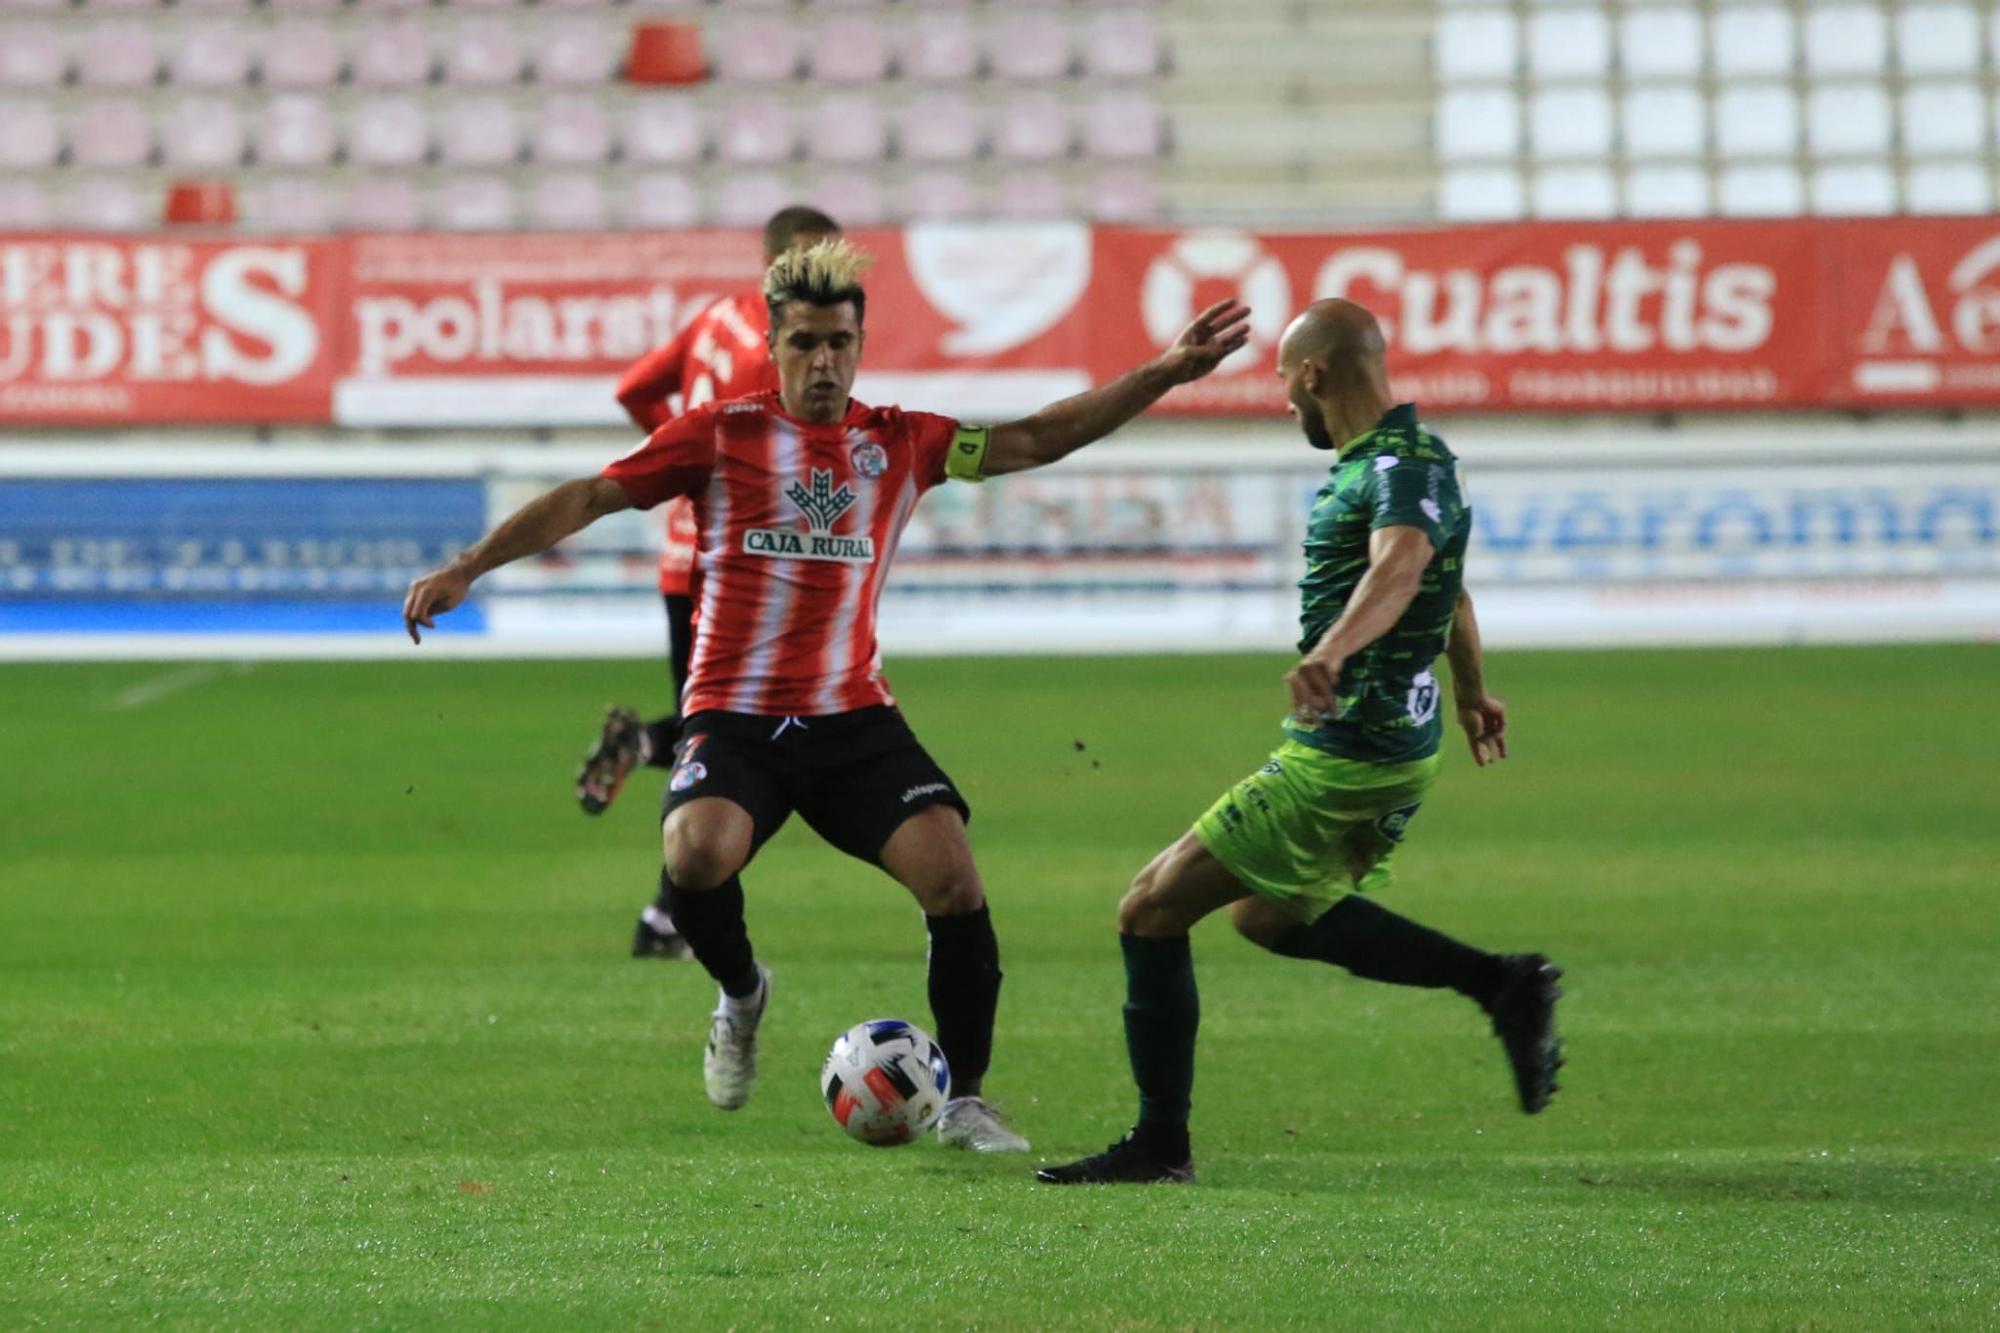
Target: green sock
1162	1011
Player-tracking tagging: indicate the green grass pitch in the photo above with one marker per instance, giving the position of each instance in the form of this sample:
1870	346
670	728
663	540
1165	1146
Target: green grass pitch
315	1012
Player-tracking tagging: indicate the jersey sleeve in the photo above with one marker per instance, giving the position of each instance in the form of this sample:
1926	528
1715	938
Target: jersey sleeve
1415	493
674	460
644	388
947	449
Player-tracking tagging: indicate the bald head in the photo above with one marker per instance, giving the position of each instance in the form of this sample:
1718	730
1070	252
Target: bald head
1333	360
1340	335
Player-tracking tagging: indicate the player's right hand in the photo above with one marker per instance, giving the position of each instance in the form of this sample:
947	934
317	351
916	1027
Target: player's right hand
1485	722
431	596
1215	334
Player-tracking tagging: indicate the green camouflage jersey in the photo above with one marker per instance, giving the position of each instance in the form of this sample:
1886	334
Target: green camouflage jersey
1397	474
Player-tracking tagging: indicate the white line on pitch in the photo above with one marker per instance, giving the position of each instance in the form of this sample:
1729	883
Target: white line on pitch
172	682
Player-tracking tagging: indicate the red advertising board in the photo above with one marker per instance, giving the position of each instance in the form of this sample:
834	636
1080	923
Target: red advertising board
532	329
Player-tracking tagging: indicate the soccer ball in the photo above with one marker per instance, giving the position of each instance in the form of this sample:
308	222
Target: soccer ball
885	1082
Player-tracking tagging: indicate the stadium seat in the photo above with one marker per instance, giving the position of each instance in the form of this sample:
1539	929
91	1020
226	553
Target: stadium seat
567	201
1948	187
847	127
1122	44
111	134
943	128
1569	122
295	130
199	203
664	127
482	52
24	206
1753	39
1846	118
31	56
25	6
105	203
478	132
757	50
1478	123
750	198
1943	118
210	54
645	7
1666	191
1937	38
1122	125
1575	192
575	51
1756	120
1663	121
1660	43
33	139
1033	127
854	197
473	203
1123	194
666	54
1481	194
571	130
1854	189
1031	194
301	54
850	49
757	132
1476	44
383	203
388	132
288	203
939	50
391	55
1569	44
201	132
117	55
1760	190
939	195
660	200
1031	47
1846	39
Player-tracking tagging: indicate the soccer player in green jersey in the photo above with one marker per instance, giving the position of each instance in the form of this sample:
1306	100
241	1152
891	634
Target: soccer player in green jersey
1292	849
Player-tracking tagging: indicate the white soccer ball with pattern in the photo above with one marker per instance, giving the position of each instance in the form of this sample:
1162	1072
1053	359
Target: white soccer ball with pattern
885	1081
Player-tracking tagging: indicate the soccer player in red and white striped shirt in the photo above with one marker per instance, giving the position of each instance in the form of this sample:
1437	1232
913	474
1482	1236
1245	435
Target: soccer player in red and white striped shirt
801	496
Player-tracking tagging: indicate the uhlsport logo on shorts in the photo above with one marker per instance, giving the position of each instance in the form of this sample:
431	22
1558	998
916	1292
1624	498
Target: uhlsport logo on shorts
687	775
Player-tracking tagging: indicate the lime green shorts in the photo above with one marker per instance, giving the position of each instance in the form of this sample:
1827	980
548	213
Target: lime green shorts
1309	827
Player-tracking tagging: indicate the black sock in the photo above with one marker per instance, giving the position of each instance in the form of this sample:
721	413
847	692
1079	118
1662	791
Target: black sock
1162	1012
1373	942
711	921
662	735
965	994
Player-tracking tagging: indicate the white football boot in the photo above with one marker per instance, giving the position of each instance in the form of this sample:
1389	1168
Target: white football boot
729	1065
973	1123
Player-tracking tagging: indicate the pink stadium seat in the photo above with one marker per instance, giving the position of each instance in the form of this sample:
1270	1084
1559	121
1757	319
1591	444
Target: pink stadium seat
117	55
1033	128
850	49
380	6
288	203
758	50
473	203
384	203
572	130
575	51
1029	195
757	133
109	6
24	206
295	130
750	198
645	7
106	203
112	134
939	129
1122	125
478	132
939	196
1029	47
301	54
217	5
31	56
1122	44
482	52
391	54
847	127
32	139
569	201
201	132
661	200
939	49
664	127
388	132
210	53
23	6
852	197
1127	194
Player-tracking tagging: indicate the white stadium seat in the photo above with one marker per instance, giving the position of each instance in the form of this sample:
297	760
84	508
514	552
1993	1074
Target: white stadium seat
661	200
1569	43
1575	192
1124	194
567	201
1478	123
24	205
1943	118
1847	118
1846	39
1763	190
1664	121
1476	44
474	203
1751	40
107	203
1660	42
855	197
1753	120
1666	191
1570	122
33	139
1854	189
1948	187
1937	39
384	203
1481	194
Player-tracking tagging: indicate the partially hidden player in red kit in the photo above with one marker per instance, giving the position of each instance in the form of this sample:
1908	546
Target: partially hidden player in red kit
800	497
722	353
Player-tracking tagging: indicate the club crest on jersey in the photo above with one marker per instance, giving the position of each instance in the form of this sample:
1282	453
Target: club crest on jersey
822	506
870	460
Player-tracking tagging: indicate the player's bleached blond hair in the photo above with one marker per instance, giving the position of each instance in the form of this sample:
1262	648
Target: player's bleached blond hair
827	273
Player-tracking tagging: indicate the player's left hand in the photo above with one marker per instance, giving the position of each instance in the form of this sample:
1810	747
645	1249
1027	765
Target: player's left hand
1216	332
1313	682
1485	722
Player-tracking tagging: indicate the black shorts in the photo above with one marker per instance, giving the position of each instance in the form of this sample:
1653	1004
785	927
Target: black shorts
853	777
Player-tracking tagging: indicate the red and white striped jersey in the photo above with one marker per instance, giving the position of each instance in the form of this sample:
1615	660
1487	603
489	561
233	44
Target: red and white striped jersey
798	526
720	354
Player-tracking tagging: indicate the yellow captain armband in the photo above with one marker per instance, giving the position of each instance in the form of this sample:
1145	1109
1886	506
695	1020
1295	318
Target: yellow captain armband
966	460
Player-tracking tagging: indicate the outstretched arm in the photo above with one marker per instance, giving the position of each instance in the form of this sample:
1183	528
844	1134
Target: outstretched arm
1397	556
534	527
1061	428
1483	717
